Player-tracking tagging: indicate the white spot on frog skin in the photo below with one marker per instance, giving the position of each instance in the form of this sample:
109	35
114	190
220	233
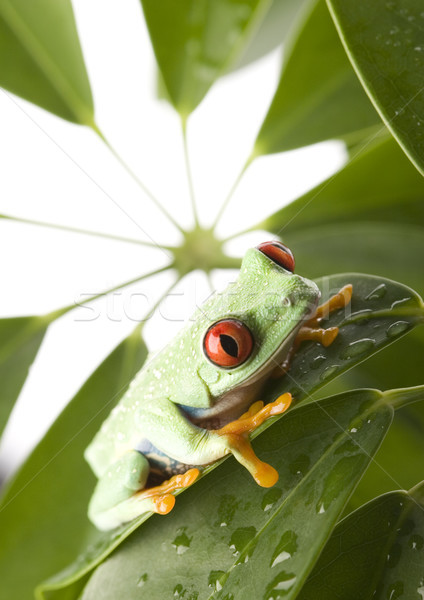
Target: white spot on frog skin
157	373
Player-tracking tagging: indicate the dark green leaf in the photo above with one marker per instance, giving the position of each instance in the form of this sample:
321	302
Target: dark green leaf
380	312
318	96
43	520
20	339
380	185
228	538
384	40
41	58
196	42
399	461
355	324
377	552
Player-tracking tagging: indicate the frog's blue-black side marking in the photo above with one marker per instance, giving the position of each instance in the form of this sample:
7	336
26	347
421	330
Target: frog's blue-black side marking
160	463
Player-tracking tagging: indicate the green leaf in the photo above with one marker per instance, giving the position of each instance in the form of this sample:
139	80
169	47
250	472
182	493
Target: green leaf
228	536
273	30
376	552
41	58
196	42
380	312
20	338
318	96
43	515
379	185
384	41
399	461
368	322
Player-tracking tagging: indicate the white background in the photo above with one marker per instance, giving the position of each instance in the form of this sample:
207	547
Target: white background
58	172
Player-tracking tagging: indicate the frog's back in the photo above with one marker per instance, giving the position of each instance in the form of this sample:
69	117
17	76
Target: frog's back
162	376
119	432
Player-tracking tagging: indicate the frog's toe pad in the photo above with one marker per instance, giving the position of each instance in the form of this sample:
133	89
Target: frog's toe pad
160	497
163	504
265	476
187	478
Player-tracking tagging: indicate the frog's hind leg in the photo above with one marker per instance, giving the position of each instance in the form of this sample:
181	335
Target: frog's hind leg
310	330
120	494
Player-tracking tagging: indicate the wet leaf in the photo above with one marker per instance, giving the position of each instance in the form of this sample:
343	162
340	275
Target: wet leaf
196	42
399	461
384	40
319	96
41	58
376	552
20	338
43	514
378	185
235	536
302	379
381	311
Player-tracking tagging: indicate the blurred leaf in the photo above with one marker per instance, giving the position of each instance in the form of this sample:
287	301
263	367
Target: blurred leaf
388	249
318	96
376	552
273	30
43	515
20	338
229	536
379	184
384	41
41	58
196	42
371	323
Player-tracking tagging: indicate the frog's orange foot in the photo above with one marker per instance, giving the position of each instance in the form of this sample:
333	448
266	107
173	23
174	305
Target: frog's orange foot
339	300
161	498
310	330
256	415
324	336
236	435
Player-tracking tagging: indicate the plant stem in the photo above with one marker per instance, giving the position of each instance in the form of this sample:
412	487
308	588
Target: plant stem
136	179
63	311
231	192
157	303
81	231
189	174
238	233
403	396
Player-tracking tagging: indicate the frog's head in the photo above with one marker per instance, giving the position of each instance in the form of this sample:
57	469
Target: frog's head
248	329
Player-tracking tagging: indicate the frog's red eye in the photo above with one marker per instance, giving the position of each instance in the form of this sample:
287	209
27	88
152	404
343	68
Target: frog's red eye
228	343
279	253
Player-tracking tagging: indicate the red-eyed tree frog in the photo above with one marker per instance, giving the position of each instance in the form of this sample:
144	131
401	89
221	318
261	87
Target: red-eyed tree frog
199	398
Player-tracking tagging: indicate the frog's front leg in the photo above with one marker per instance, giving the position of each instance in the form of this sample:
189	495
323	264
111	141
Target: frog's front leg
310	330
120	495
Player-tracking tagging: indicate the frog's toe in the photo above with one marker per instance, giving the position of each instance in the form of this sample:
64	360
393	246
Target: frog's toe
162	505
256	415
